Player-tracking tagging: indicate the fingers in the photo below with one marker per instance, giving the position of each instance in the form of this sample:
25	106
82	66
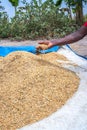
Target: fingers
42	47
39	48
43	42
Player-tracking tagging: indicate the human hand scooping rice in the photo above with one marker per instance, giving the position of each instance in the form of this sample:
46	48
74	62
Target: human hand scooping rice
71	38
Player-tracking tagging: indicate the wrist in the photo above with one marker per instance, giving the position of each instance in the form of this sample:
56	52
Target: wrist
54	42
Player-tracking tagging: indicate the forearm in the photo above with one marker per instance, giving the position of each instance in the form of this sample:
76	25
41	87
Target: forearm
68	39
72	37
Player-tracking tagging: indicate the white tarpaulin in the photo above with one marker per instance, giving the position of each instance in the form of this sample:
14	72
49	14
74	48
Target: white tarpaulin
73	115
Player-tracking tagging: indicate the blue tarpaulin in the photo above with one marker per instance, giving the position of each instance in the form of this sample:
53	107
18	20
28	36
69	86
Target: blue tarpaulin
5	50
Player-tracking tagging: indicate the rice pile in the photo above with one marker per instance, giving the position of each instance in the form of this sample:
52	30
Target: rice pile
32	87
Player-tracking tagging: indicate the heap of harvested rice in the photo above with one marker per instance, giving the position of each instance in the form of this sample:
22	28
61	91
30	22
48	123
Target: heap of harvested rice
31	88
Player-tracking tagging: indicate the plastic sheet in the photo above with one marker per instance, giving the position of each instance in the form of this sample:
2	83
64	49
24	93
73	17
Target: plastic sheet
5	50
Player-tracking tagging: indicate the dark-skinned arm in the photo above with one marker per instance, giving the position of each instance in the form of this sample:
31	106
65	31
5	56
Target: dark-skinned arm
76	36
73	37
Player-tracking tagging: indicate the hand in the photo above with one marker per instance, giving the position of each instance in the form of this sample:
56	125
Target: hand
43	45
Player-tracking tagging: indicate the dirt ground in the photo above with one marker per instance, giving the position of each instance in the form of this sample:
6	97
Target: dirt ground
79	47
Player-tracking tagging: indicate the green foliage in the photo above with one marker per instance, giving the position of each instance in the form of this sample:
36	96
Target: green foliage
59	2
85	17
36	20
4	26
4	23
14	2
76	6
